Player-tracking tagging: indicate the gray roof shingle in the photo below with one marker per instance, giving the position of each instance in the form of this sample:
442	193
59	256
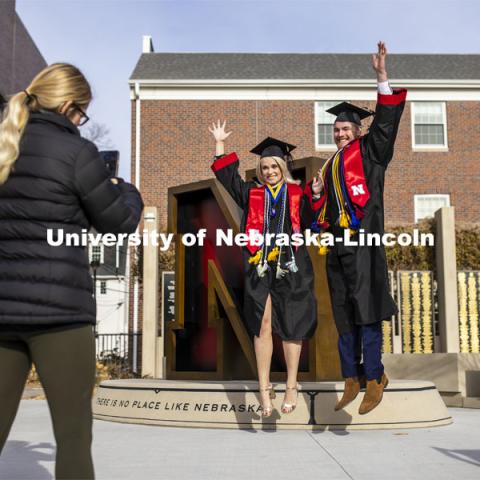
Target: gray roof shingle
301	66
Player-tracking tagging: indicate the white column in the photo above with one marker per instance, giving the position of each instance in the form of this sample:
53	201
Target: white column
150	296
445	254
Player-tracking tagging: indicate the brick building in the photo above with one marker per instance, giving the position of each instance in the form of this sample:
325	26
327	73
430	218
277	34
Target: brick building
175	97
20	59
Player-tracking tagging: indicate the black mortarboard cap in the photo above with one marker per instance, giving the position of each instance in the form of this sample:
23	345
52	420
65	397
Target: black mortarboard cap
271	147
346	112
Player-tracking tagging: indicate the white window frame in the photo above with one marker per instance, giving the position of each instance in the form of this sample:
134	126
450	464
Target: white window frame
102	252
435	195
323	147
427	147
103	282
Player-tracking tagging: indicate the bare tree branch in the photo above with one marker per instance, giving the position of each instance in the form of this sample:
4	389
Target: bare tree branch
98	133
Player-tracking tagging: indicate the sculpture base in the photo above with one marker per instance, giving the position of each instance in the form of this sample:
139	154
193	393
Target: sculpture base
405	404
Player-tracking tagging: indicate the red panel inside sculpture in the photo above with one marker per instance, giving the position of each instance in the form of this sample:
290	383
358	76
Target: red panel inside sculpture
196	344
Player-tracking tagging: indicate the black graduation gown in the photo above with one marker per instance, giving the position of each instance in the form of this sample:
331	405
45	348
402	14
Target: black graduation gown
358	275
294	313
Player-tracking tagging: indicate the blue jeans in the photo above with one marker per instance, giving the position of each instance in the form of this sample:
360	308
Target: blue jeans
366	339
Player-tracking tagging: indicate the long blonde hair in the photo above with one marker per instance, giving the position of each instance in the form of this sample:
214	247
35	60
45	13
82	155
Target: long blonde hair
49	90
287	176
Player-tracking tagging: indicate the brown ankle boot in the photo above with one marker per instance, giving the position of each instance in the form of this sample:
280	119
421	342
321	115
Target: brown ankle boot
374	394
350	392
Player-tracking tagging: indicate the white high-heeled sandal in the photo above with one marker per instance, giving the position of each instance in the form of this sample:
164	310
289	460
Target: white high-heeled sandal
267	411
290	407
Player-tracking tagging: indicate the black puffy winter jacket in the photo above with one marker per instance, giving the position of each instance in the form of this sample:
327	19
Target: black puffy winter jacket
60	182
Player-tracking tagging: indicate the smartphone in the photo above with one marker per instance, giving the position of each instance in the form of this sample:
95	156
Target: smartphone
111	159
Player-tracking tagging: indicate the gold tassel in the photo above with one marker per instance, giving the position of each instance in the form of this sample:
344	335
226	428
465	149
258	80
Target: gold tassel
343	220
255	259
353	232
323	250
273	255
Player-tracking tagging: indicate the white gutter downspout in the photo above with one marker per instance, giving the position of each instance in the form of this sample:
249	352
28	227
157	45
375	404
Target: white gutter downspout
137	134
137	184
147	47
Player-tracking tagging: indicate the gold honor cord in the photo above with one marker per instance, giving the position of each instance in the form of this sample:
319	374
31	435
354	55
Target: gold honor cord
473	312
338	192
387	327
462	312
416	325
387	336
417	312
427	313
477	308
323	212
405	289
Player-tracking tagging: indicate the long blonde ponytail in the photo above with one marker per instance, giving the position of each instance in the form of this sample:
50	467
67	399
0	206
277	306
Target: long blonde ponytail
11	130
50	89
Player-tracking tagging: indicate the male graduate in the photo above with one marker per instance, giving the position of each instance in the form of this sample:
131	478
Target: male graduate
348	194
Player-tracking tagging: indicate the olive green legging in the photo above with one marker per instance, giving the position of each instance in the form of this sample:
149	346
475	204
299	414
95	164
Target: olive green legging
65	361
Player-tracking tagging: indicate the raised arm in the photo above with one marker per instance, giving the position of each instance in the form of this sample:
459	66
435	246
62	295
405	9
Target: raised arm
379	62
379	142
314	192
225	167
110	208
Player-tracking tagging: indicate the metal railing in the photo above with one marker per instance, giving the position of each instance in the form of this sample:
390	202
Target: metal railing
120	352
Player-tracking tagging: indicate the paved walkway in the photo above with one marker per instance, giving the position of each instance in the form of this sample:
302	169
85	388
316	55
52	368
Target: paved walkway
138	452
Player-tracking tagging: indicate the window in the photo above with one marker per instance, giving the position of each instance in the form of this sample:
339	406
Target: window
324	126
103	287
95	253
427	205
429	122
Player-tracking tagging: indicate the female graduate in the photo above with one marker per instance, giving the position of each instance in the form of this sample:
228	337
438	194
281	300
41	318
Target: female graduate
279	290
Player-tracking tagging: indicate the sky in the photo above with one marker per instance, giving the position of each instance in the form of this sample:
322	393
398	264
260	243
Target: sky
104	37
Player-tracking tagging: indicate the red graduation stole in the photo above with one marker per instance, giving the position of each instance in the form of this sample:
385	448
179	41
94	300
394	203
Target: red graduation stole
354	175
256	214
354	178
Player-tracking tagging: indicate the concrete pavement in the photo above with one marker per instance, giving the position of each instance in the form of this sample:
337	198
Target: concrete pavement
124	451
